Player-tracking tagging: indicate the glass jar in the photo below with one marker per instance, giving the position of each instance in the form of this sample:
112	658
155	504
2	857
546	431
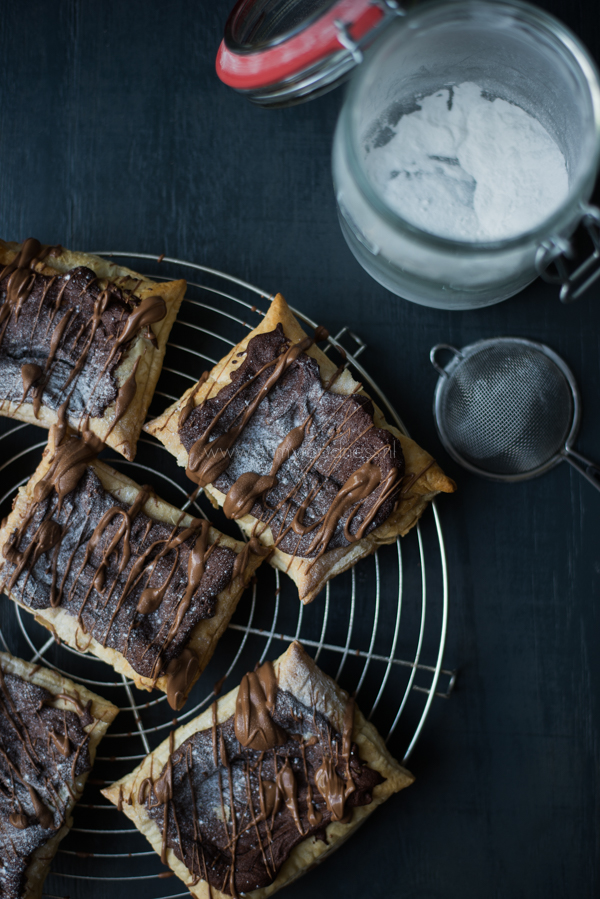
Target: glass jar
512	51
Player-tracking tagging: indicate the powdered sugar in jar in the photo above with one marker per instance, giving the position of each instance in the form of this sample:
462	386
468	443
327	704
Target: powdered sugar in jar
466	151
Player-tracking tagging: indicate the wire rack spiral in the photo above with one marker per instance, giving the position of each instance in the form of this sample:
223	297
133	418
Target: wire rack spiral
379	629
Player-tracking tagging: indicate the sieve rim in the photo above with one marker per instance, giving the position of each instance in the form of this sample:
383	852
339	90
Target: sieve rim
461	355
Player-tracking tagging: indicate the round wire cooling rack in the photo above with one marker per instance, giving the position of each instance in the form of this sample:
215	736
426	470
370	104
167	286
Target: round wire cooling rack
379	629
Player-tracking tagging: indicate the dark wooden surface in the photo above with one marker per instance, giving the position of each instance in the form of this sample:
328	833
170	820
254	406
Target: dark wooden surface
116	133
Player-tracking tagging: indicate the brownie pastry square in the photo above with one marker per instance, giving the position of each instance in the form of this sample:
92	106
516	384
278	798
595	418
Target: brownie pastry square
263	785
50	729
113	570
297	453
82	340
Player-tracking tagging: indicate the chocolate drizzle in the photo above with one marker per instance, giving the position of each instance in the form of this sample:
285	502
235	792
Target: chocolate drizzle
67	467
30	373
209	460
252	546
125	396
42	751
135	584
233	812
254	726
190	402
249	489
308	463
181	674
62	336
18	821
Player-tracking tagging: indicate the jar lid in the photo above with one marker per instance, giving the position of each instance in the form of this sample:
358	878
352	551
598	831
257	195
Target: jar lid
282	52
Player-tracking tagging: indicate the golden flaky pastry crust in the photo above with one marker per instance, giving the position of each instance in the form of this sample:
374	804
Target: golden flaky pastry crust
298	674
103	713
124	435
428	479
65	626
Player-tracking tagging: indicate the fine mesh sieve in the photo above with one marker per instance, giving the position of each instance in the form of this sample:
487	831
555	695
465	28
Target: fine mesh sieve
508	409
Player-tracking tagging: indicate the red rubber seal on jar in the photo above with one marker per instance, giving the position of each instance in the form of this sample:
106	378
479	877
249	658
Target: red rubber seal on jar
248	68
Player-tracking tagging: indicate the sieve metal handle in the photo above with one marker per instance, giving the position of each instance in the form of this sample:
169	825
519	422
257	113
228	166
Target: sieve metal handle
588	469
552	255
433	356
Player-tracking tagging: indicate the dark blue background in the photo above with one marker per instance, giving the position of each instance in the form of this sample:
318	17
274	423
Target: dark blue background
116	134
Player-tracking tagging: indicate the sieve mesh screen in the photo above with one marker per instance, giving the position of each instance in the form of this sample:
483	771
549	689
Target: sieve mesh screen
507	408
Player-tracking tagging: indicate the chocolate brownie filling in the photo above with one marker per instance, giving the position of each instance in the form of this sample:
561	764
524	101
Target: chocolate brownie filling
309	463
42	750
233	813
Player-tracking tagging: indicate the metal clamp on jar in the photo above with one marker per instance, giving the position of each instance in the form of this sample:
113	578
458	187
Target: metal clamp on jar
280	52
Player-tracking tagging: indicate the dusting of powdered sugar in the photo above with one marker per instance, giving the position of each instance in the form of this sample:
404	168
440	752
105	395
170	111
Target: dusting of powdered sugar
470	167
